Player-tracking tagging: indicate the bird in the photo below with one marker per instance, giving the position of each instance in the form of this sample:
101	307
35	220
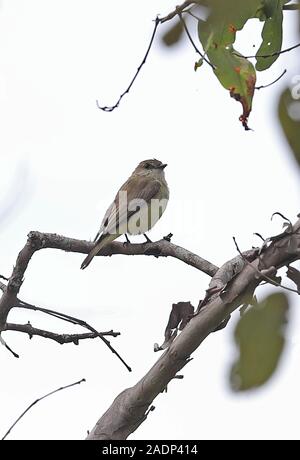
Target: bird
138	205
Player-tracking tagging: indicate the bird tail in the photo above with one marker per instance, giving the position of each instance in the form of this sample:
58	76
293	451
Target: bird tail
102	241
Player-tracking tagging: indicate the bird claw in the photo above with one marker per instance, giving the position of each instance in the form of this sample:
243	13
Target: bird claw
168	237
127	241
147	238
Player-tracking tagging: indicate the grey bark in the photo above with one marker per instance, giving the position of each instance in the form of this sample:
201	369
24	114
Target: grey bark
129	409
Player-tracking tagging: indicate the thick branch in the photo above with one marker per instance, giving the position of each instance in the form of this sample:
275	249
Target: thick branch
37	241
129	409
59	338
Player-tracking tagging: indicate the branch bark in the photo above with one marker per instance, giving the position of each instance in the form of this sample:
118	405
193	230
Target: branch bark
37	241
59	338
129	409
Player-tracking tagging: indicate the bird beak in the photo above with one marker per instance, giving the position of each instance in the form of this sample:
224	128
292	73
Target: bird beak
163	166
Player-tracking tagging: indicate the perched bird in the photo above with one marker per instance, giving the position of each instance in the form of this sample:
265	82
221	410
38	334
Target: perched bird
137	207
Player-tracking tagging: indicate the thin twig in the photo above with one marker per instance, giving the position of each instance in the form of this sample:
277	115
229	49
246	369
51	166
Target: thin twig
2	341
282	217
276	53
38	400
262	275
113	107
73	320
4	278
193	43
273	82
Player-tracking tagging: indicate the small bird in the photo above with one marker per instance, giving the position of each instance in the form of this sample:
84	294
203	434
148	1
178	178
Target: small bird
138	205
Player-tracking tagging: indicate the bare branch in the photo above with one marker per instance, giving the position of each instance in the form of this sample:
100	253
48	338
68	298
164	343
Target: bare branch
193	43
2	341
273	82
59	338
264	274
113	107
37	241
38	400
73	320
129	409
276	53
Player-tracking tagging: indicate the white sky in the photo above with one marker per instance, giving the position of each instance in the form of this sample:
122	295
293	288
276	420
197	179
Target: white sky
62	161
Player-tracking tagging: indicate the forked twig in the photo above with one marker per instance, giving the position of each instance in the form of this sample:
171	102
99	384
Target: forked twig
263	275
73	320
273	82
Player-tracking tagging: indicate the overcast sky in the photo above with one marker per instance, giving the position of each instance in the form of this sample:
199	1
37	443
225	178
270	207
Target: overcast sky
62	161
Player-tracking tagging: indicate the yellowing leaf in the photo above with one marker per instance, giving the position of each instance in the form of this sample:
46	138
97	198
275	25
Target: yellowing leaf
259	336
217	35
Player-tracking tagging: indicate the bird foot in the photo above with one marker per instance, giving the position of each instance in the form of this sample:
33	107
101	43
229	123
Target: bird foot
127	240
168	237
147	238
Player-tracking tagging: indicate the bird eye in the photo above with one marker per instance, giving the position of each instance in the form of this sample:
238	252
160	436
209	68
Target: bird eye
147	165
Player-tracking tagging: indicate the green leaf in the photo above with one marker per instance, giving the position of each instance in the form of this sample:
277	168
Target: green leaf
271	35
289	116
259	336
226	18
234	72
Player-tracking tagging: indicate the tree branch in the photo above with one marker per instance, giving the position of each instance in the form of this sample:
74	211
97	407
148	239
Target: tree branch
38	400
276	53
73	320
37	241
193	43
129	409
113	107
59	338
273	82
178	9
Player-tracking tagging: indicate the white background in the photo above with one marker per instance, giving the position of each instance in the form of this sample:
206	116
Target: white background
62	161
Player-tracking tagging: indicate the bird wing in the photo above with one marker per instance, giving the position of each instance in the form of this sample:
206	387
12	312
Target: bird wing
104	221
138	188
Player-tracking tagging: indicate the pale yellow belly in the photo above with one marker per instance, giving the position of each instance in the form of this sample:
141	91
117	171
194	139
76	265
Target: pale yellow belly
144	219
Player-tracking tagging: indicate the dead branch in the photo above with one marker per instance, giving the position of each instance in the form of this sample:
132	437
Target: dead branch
129	409
113	107
37	241
59	338
73	320
38	400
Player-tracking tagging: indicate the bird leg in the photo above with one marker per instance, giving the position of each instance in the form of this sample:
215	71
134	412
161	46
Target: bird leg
168	237
147	238
127	240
